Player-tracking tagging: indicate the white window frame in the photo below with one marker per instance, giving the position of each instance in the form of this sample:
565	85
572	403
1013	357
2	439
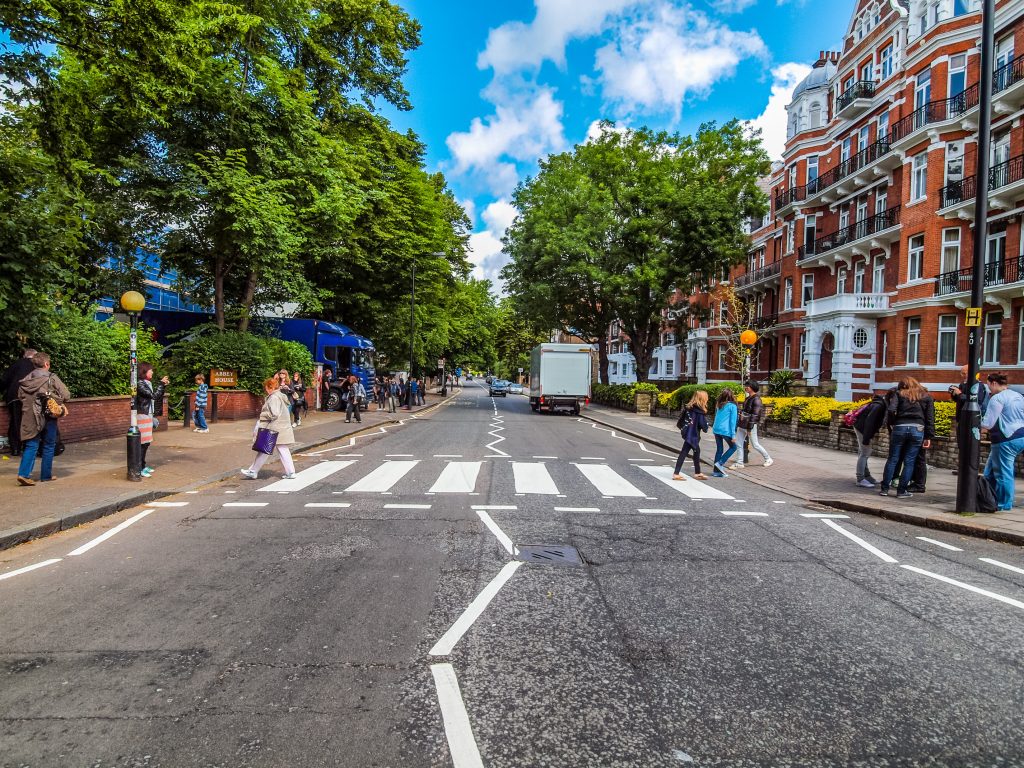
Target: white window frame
947	334
949	260
670	367
919	176
913	341
886	60
807	289
993	337
787	346
858	277
841	280
915	257
878	275
1020	336
723	352
788	294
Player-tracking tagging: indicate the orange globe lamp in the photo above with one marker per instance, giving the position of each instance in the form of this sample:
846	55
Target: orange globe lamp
748	338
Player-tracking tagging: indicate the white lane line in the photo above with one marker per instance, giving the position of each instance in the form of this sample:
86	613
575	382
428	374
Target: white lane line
383	477
192	492
328	505
407	506
533	478
593	458
339	455
577	509
824	516
168	504
1013	568
858	540
399	455
609	482
448	641
741	513
245	504
662	511
28	568
494	506
307	477
695	489
632	460
546	457
457	477
447	455
461	743
968	587
112	532
499	534
778	502
942	544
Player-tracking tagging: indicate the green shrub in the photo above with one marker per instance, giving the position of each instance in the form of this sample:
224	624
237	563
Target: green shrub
780	382
250	355
620	395
292	356
676	400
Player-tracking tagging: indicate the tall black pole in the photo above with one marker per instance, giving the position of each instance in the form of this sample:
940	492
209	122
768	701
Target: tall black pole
134	438
412	338
969	423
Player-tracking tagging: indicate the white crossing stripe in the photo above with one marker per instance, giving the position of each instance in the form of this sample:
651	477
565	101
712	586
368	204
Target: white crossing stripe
383	477
1008	567
328	505
662	511
457	477
533	478
695	489
608	481
736	513
407	506
245	504
307	477
942	544
826	516
577	509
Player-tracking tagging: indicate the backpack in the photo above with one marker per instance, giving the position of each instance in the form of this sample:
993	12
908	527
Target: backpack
986	497
851	416
683	425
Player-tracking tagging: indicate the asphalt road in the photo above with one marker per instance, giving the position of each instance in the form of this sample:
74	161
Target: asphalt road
374	613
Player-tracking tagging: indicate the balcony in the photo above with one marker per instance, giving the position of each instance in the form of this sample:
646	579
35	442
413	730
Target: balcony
855	100
1005	185
863	304
906	131
873	161
1008	87
765	321
858	239
786	199
1002	278
760	275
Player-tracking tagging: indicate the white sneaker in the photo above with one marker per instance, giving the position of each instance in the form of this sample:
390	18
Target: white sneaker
736	465
202	431
248	473
865	483
769	462
288	476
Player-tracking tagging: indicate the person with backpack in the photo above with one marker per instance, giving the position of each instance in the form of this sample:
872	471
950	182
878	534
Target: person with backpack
911	419
1004	420
749	418
692	421
866	422
724	428
961	394
40	393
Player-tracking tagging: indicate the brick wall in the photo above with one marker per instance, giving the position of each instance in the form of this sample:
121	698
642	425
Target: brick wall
92	418
234	404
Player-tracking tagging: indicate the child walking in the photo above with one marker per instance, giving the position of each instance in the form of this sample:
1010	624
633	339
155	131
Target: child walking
692	422
724	429
202	392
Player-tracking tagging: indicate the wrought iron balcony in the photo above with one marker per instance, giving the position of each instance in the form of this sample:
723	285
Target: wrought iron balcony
765	321
855	99
935	112
766	272
1008	74
998	273
847	235
1000	176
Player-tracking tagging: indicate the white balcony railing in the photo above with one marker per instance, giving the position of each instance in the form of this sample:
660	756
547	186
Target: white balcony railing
849	303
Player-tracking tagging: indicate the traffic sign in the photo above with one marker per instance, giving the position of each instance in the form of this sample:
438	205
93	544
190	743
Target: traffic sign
973	317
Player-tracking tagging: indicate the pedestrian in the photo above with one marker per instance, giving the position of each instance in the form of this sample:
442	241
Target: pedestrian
403	394
392	386
1004	420
749	418
285	382
961	394
9	383
276	417
356	396
202	392
692	422
414	389
145	405
326	379
422	389
724	429
911	418
43	399
865	426
298	398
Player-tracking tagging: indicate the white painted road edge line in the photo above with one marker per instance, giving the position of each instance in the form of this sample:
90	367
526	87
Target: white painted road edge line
499	534
246	504
444	646
407	506
824	516
112	532
494	506
461	743
858	540
739	513
28	568
942	544
662	511
968	587
329	505
1013	568
577	509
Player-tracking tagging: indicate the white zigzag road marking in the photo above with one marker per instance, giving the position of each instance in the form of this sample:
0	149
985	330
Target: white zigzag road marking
639	443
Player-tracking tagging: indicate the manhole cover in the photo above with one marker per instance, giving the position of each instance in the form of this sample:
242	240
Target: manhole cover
551	555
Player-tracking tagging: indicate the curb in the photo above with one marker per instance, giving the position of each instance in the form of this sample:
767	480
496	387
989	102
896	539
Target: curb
965	527
45	526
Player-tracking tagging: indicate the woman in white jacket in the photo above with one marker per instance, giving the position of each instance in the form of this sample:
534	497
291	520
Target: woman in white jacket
275	416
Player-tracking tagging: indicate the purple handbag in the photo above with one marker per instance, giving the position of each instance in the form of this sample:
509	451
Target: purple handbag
265	442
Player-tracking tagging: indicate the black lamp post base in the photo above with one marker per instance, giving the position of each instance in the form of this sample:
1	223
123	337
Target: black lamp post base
135	457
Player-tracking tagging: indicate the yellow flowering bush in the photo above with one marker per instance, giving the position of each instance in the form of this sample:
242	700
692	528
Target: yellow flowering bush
818	410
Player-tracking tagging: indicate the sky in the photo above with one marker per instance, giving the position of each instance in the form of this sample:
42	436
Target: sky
496	86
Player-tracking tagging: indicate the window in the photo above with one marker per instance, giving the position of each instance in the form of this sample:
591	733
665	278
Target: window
883	349
913	340
788	301
615	368
954	162
787	345
860	338
887	63
1004	55
993	337
845	151
841	281
915	257
922	95
950	261
792	176
864	136
878	275
1020	336
865	72
807	294
883	126
947	340
815	115
881	200
858	277
790	236
919	176
810	233
722	355
844	217
670	367
812	168
803	348
957	74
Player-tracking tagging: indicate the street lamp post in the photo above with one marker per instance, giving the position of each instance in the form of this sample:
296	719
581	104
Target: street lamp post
133	303
748	339
412	338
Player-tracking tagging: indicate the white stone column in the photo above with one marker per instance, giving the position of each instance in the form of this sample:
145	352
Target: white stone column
842	359
812	355
702	361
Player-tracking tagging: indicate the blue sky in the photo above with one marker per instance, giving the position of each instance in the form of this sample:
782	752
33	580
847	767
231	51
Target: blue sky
497	85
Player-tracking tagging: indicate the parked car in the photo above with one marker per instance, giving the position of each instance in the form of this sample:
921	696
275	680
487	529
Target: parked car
515	389
498	387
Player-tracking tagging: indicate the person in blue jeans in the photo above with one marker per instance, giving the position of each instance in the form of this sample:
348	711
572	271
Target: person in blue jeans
724	429
37	428
202	393
911	419
1004	420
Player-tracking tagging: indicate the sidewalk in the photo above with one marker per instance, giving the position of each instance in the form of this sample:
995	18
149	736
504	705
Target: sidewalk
91	477
826	477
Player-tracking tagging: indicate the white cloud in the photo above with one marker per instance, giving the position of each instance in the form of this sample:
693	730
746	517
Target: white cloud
772	122
485	248
523	128
735	6
658	59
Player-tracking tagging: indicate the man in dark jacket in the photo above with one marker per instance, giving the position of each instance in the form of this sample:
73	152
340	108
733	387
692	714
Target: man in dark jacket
39	429
867	424
960	394
9	382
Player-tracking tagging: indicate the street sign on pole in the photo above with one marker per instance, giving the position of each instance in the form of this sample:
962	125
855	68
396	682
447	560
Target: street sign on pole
973	317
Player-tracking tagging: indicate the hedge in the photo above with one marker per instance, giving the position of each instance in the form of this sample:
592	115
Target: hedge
818	410
676	400
623	395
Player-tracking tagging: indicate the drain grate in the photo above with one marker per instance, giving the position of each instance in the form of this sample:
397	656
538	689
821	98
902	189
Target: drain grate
559	554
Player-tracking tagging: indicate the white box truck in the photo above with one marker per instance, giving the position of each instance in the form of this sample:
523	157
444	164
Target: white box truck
560	377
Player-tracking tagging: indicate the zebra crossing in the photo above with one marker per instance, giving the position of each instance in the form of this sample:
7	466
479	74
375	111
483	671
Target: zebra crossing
431	477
